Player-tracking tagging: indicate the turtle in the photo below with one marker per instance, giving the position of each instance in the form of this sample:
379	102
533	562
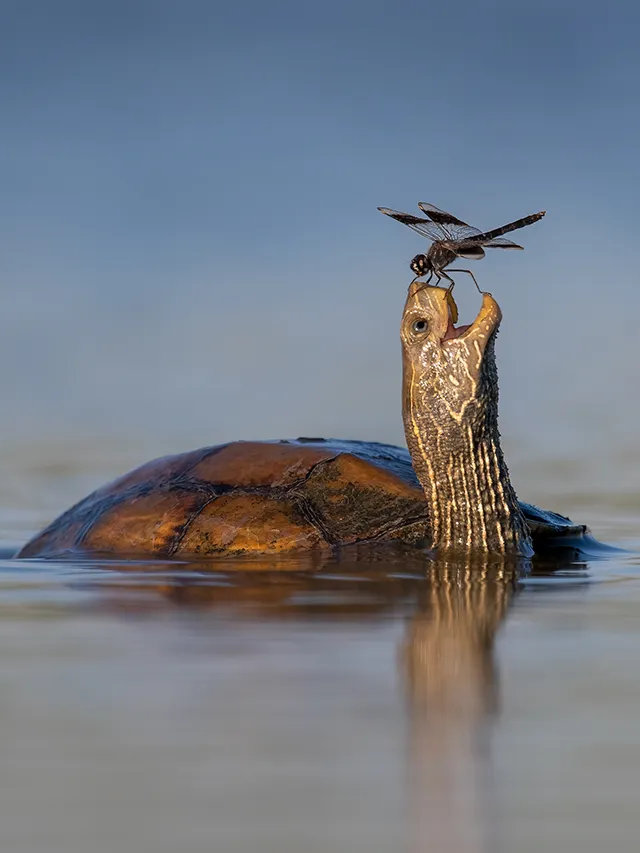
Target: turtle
450	490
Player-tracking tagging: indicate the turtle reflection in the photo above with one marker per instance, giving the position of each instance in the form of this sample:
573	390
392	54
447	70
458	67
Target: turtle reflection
453	612
451	686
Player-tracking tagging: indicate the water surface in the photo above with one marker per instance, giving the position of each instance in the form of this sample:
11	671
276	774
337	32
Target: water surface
367	703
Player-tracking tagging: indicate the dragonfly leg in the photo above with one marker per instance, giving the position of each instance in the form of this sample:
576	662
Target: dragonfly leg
423	284
442	274
472	276
426	280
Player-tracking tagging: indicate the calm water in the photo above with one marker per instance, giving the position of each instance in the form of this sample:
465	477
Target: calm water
364	704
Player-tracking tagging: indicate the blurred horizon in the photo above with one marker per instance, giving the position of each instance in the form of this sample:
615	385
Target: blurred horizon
190	250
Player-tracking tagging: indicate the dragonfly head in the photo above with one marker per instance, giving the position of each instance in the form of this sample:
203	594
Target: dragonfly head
421	265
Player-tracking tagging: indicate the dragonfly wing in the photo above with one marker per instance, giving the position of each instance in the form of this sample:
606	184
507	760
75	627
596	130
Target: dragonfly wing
454	228
501	243
472	252
430	230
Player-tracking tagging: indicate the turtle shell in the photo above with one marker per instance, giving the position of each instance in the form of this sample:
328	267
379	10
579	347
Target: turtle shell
259	497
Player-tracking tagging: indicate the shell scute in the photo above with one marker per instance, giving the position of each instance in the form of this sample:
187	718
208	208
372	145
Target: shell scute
248	464
249	523
354	500
146	523
160	470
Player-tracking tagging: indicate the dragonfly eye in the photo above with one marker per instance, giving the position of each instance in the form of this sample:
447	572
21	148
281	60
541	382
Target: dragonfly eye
419	327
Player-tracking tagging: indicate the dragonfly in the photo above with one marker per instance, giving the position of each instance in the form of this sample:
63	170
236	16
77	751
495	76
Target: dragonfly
452	238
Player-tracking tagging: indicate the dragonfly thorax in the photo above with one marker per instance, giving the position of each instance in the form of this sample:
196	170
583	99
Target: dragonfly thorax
440	256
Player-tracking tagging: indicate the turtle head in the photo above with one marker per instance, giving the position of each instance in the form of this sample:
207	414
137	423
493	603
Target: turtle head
449	372
450	412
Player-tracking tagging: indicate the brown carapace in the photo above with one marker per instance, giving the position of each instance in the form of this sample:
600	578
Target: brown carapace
247	497
259	498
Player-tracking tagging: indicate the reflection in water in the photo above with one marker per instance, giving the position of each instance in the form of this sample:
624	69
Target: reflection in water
451	688
446	657
320	704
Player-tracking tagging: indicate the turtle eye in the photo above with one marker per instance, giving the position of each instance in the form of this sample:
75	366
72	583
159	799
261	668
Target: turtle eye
419	326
